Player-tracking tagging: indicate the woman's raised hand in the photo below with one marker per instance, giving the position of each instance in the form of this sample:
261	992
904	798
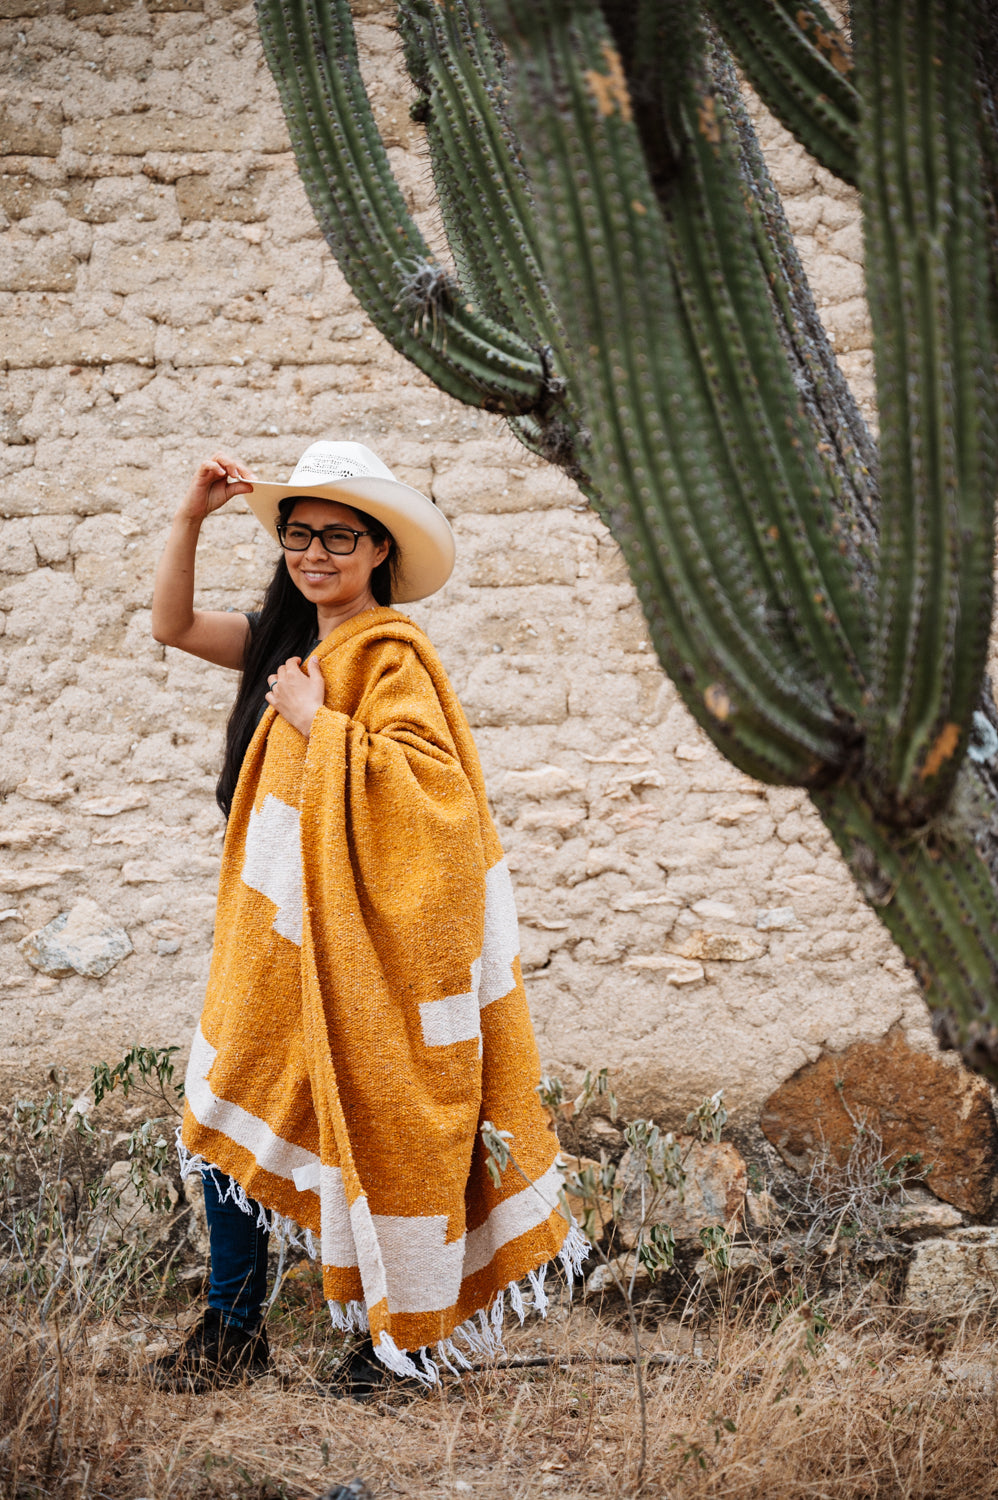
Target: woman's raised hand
297	696
216	635
215	481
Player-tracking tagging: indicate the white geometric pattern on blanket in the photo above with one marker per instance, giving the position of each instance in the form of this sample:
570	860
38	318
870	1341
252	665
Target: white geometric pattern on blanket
275	1155
525	1210
455	1018
422	1272
338	1245
404	1258
409	1261
501	941
272	864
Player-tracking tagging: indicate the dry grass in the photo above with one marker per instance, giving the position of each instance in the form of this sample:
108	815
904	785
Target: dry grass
867	1407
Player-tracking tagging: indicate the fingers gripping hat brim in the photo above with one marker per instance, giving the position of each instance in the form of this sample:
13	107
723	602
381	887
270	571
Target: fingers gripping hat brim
422	533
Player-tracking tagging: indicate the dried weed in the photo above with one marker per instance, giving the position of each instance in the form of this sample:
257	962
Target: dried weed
850	1406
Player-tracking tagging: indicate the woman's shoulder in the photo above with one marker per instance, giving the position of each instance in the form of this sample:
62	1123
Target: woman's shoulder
389	641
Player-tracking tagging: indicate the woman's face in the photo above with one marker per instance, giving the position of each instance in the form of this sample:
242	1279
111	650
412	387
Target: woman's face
330	580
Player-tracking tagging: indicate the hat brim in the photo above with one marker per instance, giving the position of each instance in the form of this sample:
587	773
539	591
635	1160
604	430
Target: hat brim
422	533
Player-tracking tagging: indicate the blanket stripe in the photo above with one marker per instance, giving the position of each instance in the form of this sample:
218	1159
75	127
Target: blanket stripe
365	1011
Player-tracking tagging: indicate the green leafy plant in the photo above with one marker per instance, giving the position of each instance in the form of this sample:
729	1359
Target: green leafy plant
716	1242
76	1232
624	288
146	1071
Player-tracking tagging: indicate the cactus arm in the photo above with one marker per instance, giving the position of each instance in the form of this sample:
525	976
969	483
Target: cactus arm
938	899
928	273
847	450
757	412
798	61
718	235
640	379
311	50
483	198
728	472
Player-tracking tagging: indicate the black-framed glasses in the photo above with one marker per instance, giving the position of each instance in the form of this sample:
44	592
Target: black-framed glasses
295	536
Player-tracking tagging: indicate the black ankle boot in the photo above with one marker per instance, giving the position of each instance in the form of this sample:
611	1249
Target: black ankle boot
215	1353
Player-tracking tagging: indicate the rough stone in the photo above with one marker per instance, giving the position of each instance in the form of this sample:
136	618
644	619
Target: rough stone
778	919
27	345
921	1216
916	1101
15	881
31	267
610	1276
950	1276
30	832
116	802
134	135
714	1193
673	968
720	947
83	939
200	198
715	911
762	1210
743	1261
30	129
43	791
129	1213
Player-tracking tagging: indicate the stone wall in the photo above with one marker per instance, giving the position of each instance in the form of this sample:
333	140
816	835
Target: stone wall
163	290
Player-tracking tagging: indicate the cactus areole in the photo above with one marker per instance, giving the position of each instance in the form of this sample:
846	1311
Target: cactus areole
624	289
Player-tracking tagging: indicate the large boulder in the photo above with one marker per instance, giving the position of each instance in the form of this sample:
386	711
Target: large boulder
915	1101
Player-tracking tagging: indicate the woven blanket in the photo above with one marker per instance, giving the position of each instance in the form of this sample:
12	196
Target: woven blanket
365	1011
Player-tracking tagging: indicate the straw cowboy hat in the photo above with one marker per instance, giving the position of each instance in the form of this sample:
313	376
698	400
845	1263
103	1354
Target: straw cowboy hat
350	474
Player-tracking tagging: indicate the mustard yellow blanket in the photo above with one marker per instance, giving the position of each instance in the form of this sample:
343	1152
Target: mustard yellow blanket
365	1010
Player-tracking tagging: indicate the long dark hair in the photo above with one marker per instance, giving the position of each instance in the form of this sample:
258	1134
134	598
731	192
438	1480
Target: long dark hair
287	626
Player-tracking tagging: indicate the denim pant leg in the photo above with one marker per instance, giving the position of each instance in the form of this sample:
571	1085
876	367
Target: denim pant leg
238	1281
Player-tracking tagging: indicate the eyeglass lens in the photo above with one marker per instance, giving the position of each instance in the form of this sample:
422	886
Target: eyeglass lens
339	540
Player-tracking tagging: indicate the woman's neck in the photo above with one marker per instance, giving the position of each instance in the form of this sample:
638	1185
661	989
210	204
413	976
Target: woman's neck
330	617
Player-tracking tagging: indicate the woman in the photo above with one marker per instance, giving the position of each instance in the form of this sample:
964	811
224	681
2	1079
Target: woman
365	1013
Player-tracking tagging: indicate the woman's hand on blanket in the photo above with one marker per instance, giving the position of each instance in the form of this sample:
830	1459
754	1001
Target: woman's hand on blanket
215	481
297	695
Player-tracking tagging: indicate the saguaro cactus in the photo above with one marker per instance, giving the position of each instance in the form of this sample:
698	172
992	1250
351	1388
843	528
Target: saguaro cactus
626	291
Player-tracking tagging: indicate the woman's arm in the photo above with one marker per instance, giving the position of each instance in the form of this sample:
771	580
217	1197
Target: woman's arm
215	635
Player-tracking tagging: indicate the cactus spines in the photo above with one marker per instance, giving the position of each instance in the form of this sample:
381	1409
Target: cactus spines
626	290
932	301
800	64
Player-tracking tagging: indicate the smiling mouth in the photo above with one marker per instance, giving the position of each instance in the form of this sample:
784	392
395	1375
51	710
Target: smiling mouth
316	577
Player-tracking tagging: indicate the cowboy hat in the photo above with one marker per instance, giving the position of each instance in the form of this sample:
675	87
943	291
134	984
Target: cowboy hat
350	474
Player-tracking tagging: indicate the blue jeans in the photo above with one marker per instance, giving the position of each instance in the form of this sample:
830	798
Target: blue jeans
238	1281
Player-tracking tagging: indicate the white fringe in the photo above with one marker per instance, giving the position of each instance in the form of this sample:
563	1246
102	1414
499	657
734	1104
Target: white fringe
285	1230
396	1360
575	1249
536	1279
481	1333
348	1317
